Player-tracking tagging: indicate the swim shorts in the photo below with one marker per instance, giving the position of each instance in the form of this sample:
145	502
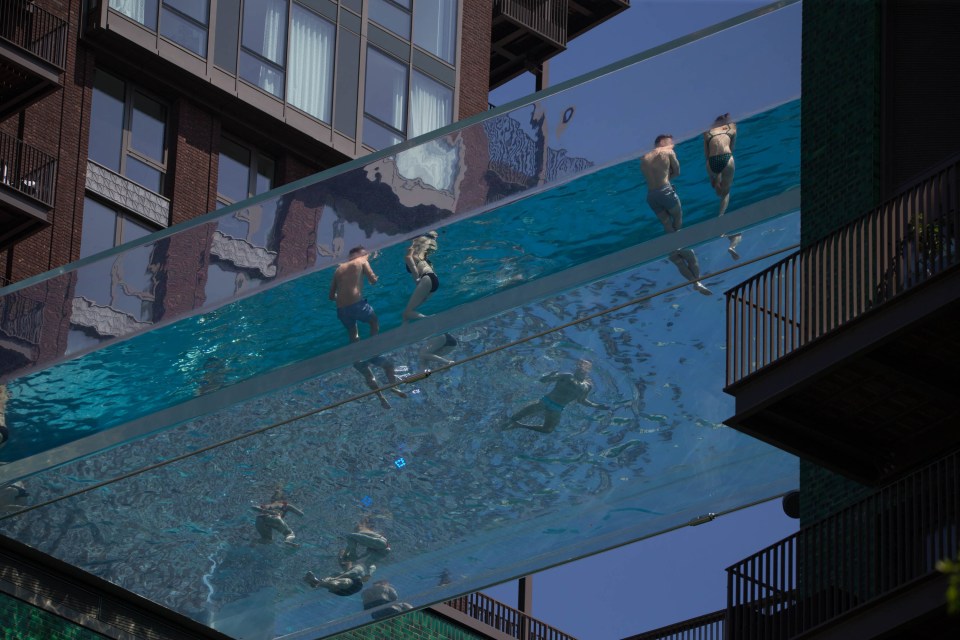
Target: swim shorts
352	313
663	199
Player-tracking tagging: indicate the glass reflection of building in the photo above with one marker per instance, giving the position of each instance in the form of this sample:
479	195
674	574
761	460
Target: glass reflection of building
128	117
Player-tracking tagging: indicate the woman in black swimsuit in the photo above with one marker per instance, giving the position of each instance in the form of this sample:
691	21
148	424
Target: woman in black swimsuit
420	267
718	145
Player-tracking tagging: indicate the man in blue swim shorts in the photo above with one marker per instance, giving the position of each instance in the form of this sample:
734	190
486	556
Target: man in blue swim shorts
659	166
568	387
347	290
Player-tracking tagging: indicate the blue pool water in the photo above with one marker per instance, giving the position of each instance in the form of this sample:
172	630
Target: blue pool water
604	212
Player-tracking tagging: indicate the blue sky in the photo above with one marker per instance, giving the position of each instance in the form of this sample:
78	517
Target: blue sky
679	575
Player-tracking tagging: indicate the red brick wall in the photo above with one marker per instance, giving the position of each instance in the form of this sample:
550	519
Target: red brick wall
192	161
57	125
475	57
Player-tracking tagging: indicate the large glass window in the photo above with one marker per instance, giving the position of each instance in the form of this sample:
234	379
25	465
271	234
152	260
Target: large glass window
385	100
243	172
310	68
128	131
435	28
392	14
143	11
185	22
127	282
263	43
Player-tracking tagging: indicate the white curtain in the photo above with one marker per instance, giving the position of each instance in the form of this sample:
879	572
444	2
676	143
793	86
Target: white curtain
273	30
136	9
310	64
431	107
435	27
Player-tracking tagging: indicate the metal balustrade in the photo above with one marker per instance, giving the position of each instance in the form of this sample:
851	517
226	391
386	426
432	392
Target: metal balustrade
898	246
546	17
40	32
846	561
705	627
506	619
27	169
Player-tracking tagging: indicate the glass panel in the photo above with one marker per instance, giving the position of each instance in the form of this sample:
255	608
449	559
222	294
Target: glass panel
99	228
148	127
262	74
265	28
199	10
187	34
233	173
431	105
106	121
392	17
348	83
385	89
310	74
143	11
228	28
435	28
265	173
376	136
547	204
143	174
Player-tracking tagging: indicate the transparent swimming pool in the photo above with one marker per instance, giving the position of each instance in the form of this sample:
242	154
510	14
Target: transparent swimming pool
251	386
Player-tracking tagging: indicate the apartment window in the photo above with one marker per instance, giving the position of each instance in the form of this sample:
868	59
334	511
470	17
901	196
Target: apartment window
143	11
263	44
243	172
435	28
185	22
126	282
386	102
182	21
392	14
310	69
128	131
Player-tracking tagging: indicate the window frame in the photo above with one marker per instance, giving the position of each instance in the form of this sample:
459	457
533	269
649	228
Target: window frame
252	170
130	89
186	18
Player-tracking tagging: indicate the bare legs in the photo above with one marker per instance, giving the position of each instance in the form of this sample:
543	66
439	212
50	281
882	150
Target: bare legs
722	184
420	294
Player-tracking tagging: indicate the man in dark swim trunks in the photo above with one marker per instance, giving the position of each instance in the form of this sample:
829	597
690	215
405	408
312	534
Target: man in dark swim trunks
344	584
568	387
347	290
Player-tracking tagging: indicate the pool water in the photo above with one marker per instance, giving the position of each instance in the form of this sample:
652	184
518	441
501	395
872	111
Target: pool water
603	212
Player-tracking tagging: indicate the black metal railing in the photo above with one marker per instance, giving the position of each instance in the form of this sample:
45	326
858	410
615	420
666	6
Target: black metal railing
27	170
891	250
506	619
547	18
40	32
883	543
706	627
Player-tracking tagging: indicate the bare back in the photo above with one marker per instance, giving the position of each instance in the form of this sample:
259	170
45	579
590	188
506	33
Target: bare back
658	166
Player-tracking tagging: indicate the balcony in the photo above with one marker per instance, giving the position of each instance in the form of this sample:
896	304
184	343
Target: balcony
842	352
507	622
27	180
33	52
706	627
868	569
524	33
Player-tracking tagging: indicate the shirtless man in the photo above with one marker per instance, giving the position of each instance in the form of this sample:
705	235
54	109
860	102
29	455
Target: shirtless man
347	290
658	167
568	387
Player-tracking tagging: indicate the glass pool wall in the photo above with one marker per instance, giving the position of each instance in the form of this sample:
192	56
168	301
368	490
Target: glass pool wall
256	392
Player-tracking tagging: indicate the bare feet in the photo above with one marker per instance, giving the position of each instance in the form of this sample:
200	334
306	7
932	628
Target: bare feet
702	289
